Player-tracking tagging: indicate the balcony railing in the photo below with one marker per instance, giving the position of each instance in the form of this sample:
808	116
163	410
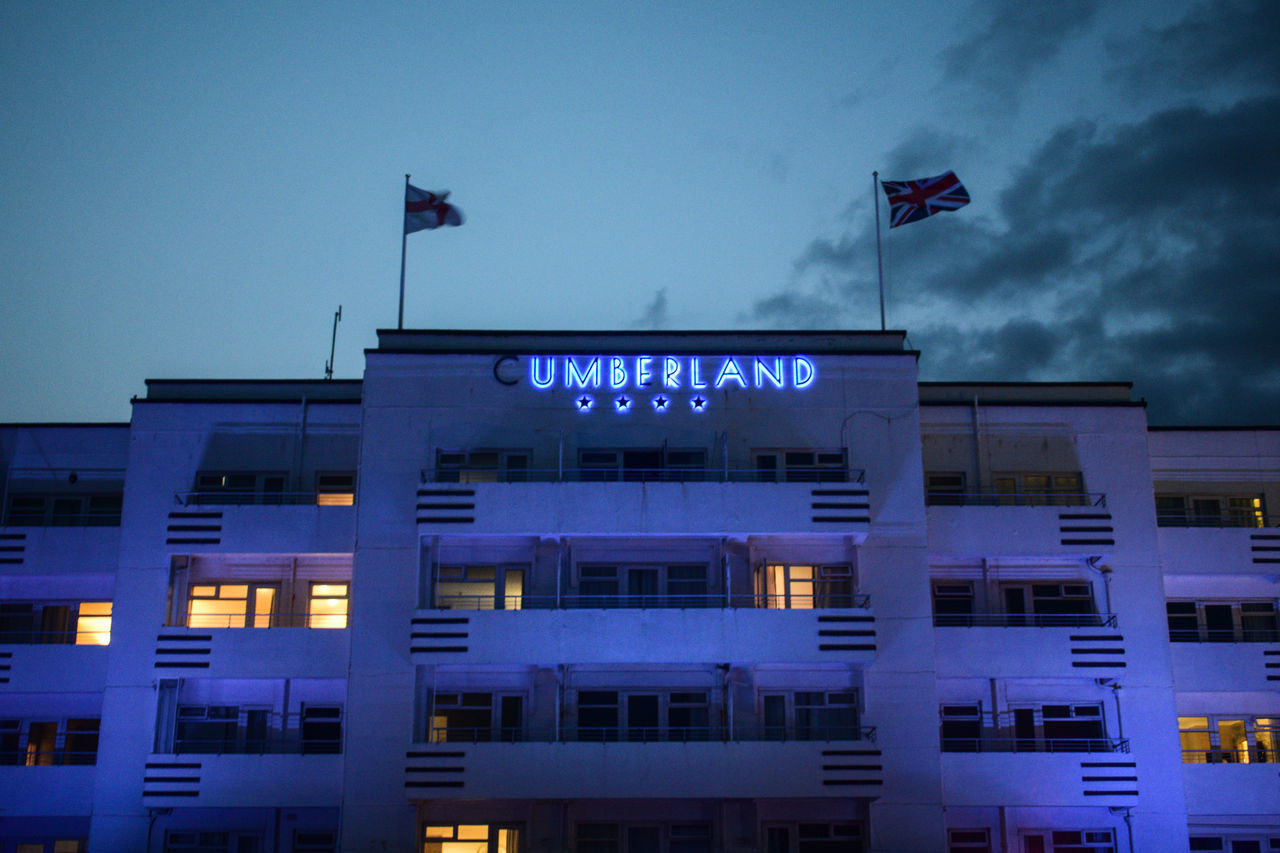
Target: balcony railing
648	734
806	474
35	637
1043	744
1252	755
1225	518
654	602
220	497
1024	620
1225	635
942	498
274	743
266	620
48	757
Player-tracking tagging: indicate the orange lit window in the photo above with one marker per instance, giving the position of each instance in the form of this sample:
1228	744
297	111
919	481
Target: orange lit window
93	624
327	607
335	489
228	605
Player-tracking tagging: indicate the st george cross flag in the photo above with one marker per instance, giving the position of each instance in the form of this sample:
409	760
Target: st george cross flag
910	201
423	209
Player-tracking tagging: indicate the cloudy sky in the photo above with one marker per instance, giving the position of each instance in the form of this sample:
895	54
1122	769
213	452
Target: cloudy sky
191	190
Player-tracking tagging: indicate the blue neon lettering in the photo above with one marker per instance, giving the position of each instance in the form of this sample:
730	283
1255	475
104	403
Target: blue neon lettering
730	370
643	371
590	378
671	372
803	372
617	372
536	379
695	374
775	375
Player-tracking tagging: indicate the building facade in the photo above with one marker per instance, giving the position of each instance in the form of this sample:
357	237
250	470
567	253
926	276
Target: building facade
638	593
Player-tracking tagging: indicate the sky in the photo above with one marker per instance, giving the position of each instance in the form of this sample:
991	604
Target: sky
192	189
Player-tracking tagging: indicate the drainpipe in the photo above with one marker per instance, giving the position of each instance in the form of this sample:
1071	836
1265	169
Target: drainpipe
977	444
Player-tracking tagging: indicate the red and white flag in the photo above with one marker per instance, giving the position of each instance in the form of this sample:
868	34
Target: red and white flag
424	209
910	201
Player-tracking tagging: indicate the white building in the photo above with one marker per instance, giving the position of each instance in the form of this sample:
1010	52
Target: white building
638	593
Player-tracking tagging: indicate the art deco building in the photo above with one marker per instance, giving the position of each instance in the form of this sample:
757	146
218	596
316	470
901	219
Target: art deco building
526	592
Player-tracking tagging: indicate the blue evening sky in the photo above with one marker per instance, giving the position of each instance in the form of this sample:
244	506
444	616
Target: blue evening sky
191	189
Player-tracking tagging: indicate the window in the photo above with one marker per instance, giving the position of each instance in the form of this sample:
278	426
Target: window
247	487
1173	510
813	838
217	729
86	623
477	717
321	729
470	838
482	466
327	605
644	717
944	488
231	605
1248	843
480	587
194	841
968	841
311	841
642	464
1069	841
804	587
1068	728
642	586
810	715
47	743
1047	603
642	838
1229	739
63	510
961	728
953	603
800	466
1036	489
336	489
1223	621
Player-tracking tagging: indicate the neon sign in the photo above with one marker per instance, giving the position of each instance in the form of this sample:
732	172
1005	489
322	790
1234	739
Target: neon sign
671	373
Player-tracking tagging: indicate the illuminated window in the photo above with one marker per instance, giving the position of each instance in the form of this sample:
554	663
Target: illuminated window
1229	739
470	838
41	743
477	717
480	587
93	623
804	587
1173	510
335	489
327	606
227	605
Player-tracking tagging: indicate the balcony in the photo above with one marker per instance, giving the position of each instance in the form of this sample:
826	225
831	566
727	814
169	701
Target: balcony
1036	744
651	734
267	523
1049	647
243	780
637	506
1024	620
61	549
253	652
1219	550
652	602
627	769
1016	525
1040	778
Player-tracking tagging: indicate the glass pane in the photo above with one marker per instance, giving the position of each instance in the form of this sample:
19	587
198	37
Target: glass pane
1233	741
93	626
264	599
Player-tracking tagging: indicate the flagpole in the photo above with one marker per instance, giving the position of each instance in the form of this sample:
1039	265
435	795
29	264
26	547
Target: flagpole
875	194
404	236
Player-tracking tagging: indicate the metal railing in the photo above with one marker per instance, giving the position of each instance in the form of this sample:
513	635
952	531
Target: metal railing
1251	755
648	734
942	498
83	518
1225	518
36	637
317	621
1041	744
1024	620
273	743
794	474
48	757
654	602
219	497
1224	635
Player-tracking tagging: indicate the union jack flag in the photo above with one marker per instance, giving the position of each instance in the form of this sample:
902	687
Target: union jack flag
910	201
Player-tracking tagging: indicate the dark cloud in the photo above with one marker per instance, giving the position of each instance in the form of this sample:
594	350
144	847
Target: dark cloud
1226	41
1149	252
654	315
1014	38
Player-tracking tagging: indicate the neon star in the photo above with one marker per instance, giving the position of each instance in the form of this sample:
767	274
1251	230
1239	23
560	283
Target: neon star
660	403
698	403
584	403
623	403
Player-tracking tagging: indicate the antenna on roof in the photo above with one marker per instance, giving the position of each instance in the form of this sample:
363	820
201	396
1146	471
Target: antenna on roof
328	365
